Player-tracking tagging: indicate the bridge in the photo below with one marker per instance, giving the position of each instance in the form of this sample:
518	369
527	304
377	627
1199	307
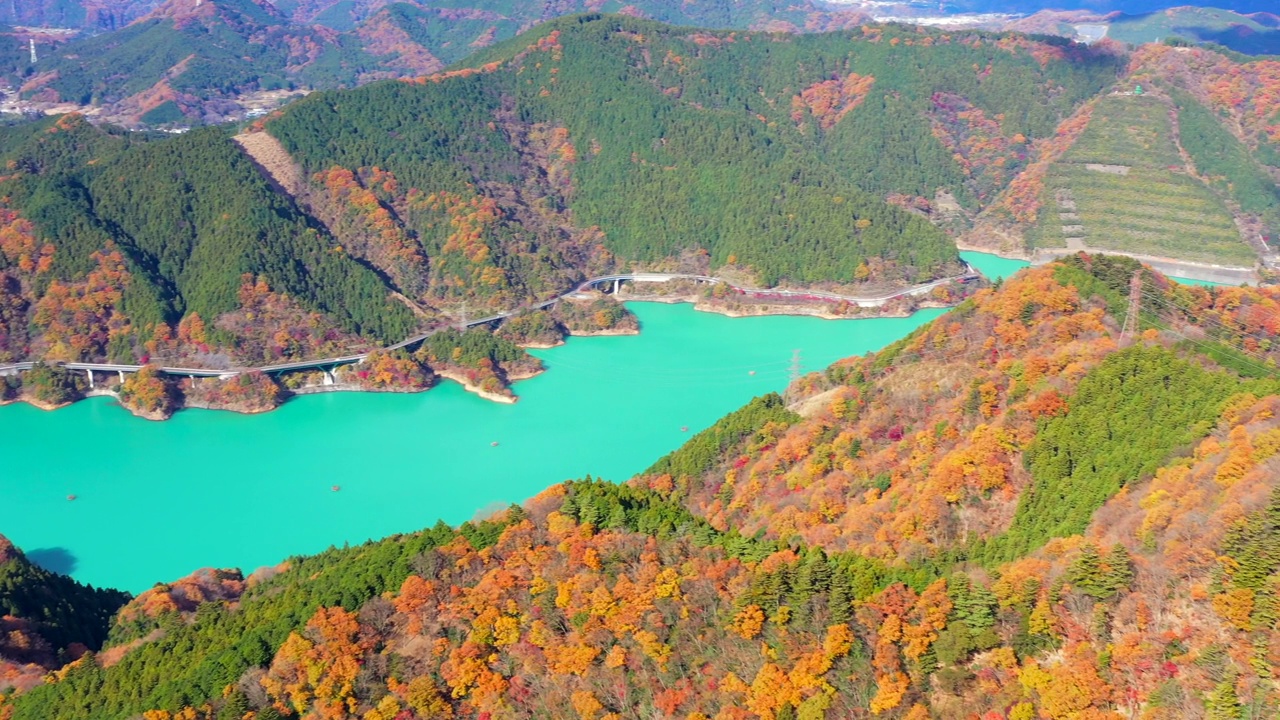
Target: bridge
866	301
613	282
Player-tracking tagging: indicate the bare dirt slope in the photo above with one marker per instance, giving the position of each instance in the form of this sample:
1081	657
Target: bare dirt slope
274	161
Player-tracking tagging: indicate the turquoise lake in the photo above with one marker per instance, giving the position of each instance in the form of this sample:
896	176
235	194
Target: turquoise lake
156	501
993	267
997	267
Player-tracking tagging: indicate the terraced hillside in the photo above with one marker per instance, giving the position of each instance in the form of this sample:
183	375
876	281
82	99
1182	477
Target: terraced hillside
1125	186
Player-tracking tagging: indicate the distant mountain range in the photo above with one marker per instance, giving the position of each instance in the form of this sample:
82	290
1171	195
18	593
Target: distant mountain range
1254	34
1133	7
190	61
343	15
183	62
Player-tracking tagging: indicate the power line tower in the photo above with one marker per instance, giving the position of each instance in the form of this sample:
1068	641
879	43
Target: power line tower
1135	304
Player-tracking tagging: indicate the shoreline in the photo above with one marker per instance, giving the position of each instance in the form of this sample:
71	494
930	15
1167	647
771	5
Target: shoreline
696	300
609	332
466	385
1235	275
540	346
763	309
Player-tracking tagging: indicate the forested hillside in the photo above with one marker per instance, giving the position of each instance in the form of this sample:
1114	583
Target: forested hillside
1178	160
1020	511
110	243
594	144
607	138
47	619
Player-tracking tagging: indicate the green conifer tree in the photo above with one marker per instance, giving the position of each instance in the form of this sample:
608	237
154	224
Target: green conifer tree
1119	570
1222	703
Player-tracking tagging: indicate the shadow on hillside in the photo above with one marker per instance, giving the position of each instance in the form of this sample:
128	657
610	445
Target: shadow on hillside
1238	38
59	560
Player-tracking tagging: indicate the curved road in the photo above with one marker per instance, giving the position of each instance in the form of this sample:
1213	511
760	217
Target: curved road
875	301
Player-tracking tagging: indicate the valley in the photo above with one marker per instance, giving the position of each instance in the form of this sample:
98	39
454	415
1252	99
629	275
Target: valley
910	488
431	450
794	366
509	195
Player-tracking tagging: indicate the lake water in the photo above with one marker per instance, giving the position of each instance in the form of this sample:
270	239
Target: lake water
156	501
206	488
994	268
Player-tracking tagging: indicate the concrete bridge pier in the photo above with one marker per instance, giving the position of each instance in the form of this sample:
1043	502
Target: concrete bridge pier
120	373
90	374
617	285
329	379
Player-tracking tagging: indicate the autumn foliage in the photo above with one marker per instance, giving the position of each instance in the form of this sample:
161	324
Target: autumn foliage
83	320
248	392
149	392
369	230
830	100
821	564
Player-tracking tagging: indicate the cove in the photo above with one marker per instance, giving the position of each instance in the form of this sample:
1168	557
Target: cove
995	268
156	501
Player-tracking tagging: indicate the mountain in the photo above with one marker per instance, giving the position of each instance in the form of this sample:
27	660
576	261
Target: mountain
210	61
1177	161
198	61
76	14
593	144
1042	504
1132	7
183	227
1252	34
344	15
195	61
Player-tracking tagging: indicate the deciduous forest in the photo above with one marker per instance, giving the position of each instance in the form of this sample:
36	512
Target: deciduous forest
1016	512
1059	500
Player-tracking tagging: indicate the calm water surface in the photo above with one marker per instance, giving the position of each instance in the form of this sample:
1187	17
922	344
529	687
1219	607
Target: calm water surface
207	488
997	267
994	268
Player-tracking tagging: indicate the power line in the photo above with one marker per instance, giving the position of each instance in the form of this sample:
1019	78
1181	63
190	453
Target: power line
1206	347
1220	326
1197	319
